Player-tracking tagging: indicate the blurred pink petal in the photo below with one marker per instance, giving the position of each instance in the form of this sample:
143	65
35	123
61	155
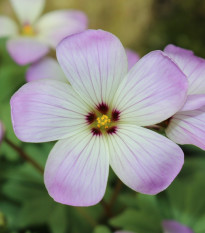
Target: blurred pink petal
28	11
155	90
45	68
7	27
26	50
191	65
1	131
144	160
132	57
77	170
171	226
47	110
56	25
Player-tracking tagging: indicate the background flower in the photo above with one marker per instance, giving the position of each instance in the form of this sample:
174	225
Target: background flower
35	36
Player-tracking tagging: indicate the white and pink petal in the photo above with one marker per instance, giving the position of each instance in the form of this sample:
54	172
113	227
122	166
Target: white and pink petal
144	160
45	68
188	127
47	110
191	65
95	63
155	89
25	50
193	102
56	25
8	27
28	11
77	170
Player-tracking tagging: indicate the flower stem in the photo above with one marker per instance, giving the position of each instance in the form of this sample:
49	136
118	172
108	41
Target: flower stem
23	155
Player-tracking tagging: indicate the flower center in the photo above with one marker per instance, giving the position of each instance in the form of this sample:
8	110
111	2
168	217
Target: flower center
103	122
28	30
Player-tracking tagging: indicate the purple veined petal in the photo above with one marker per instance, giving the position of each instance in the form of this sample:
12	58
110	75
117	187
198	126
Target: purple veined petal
45	68
132	57
95	63
56	25
188	127
25	50
77	168
193	102
47	110
28	11
191	65
8	27
170	226
155	89
1	131
145	161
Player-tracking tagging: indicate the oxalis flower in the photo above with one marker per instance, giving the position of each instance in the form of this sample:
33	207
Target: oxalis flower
187	126
33	38
98	118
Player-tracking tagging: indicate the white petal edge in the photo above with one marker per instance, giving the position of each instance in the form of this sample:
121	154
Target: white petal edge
8	27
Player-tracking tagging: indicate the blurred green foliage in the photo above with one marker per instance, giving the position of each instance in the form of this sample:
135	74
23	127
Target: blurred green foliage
25	206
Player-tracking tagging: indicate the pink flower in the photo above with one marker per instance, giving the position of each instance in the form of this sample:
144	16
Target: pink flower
98	118
187	126
37	35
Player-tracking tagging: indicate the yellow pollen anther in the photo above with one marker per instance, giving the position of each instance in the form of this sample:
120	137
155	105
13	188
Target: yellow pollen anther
103	121
28	30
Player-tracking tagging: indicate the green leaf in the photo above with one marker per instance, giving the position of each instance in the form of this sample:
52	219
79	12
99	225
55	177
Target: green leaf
101	229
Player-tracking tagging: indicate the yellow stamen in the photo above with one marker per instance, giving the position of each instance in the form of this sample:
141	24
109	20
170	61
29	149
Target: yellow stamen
103	121
27	30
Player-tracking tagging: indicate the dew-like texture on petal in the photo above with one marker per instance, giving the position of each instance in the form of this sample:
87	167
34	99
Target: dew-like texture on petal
45	68
1	131
77	168
132	57
188	127
28	11
47	110
95	63
26	50
144	160
191	65
155	89
56	25
7	27
193	102
170	226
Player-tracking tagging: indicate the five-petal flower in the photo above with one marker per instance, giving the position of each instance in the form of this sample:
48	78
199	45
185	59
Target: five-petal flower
37	35
98	118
